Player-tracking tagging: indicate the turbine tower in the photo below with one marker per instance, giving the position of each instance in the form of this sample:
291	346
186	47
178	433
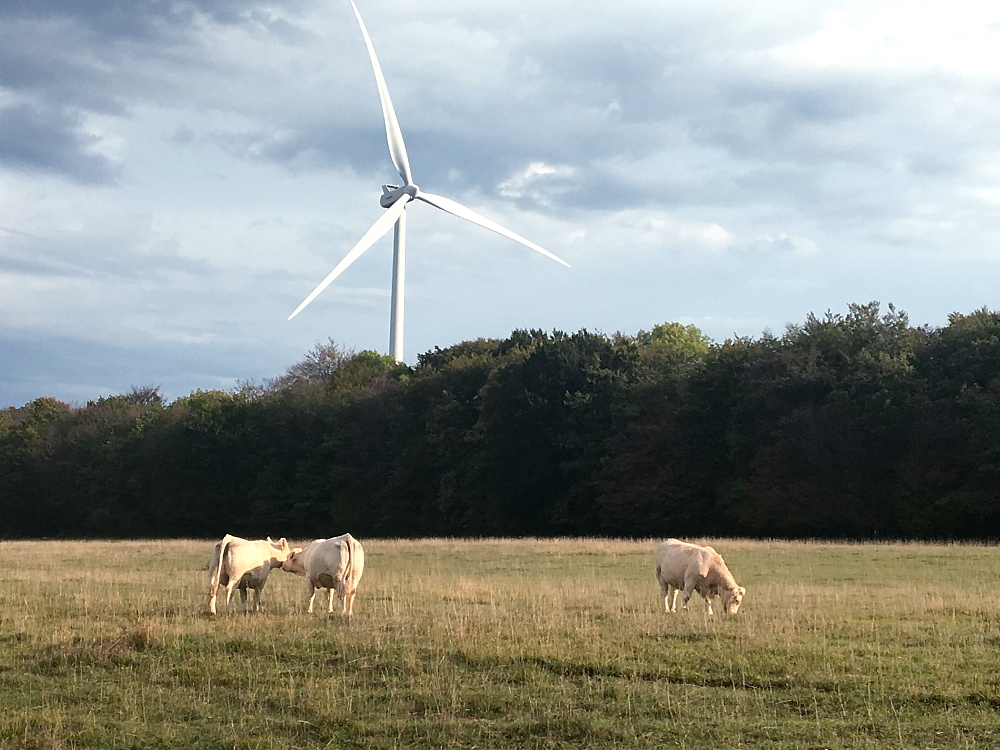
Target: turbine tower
395	199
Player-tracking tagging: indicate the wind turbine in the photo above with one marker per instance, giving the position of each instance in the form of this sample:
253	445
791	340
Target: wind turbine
395	199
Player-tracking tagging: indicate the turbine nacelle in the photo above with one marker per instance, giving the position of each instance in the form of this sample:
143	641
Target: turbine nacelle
392	193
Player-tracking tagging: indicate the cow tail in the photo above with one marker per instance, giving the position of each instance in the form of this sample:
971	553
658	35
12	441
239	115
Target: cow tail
216	569
350	561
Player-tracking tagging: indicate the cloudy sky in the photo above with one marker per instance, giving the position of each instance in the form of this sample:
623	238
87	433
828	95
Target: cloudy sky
176	176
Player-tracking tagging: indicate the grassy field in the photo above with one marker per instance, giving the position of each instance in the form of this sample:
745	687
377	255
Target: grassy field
513	644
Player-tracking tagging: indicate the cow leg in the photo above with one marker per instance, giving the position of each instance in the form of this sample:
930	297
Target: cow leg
708	603
688	593
329	604
229	594
243	598
257	605
311	591
664	591
671	600
213	593
341	587
349	601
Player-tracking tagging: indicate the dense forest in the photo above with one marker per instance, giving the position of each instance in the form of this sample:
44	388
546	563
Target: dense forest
856	425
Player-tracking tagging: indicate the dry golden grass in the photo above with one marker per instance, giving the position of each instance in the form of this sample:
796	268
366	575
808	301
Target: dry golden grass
503	643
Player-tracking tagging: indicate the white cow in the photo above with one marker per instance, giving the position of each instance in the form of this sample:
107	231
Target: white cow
688	567
242	563
335	564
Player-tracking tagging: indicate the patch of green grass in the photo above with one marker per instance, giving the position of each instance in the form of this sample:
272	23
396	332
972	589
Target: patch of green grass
503	644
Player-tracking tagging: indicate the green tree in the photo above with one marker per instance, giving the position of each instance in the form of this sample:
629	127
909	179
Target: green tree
687	339
828	466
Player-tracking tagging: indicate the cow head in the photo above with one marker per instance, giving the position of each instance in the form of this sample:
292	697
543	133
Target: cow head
294	563
731	599
281	551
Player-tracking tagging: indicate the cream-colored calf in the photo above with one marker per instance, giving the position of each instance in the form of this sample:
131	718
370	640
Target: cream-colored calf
335	564
688	567
241	563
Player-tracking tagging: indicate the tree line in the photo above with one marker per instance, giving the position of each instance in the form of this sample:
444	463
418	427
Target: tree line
853	425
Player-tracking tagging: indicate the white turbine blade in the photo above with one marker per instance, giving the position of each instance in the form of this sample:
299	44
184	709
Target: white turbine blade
447	204
373	235
397	150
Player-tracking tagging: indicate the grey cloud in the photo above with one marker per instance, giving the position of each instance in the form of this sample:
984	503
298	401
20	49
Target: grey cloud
815	98
926	163
602	98
313	146
639	75
126	257
183	136
66	58
760	121
50	63
104	55
49	140
502	138
135	19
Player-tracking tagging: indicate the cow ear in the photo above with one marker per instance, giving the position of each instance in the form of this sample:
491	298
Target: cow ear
284	543
269	539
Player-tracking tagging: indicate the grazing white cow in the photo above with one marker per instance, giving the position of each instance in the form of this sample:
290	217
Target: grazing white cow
242	563
335	564
688	567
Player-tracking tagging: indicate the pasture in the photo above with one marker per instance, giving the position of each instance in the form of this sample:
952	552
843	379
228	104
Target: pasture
503	644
